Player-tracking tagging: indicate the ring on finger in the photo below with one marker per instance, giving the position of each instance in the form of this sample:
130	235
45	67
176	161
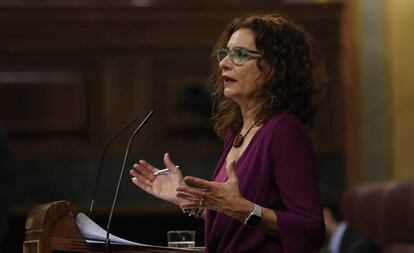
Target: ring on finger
201	201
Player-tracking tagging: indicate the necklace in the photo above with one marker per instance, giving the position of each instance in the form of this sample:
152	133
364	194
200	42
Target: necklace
238	140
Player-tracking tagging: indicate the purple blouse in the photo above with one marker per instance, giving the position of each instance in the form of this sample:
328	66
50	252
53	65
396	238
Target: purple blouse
277	171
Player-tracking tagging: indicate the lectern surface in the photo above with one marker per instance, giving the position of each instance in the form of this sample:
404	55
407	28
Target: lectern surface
51	228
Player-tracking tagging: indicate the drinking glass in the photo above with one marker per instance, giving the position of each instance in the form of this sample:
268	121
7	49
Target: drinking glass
181	238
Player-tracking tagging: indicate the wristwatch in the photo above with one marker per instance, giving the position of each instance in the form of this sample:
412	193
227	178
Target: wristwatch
254	217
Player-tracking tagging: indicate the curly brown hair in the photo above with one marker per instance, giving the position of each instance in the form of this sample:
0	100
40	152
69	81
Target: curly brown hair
292	83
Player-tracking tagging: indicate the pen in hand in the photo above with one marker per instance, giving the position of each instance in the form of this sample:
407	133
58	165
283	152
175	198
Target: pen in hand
165	171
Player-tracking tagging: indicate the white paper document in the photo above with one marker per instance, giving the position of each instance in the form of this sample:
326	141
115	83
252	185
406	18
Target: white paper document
93	233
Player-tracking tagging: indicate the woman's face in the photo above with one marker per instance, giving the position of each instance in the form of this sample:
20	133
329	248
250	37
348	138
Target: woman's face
241	82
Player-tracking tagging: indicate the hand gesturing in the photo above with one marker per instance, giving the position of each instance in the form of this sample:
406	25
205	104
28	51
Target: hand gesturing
221	197
161	186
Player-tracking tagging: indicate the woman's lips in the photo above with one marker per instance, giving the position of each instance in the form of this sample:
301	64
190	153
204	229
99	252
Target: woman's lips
228	80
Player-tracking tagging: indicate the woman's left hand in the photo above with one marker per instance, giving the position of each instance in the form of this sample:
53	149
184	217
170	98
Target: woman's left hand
221	197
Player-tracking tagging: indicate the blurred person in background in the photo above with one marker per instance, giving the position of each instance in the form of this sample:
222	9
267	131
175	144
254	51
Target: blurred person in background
342	238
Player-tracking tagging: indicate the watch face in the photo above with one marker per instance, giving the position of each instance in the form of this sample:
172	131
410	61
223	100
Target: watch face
254	216
253	220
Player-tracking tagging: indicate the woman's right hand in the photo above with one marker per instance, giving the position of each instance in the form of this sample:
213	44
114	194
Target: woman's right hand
161	186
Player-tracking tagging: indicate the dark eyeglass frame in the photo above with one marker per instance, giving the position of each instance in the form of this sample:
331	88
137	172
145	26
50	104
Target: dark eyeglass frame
245	54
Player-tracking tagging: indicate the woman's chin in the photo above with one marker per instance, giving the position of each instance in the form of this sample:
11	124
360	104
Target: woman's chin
228	93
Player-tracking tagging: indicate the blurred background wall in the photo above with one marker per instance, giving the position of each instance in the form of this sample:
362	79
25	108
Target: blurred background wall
74	72
376	47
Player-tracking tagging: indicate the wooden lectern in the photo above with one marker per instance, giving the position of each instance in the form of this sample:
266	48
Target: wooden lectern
51	228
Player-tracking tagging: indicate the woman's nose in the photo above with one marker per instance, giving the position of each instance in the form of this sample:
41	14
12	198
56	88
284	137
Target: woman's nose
225	63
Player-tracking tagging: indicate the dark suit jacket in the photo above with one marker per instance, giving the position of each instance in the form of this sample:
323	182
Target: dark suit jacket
354	242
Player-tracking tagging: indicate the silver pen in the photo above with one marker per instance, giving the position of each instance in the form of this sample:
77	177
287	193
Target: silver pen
165	171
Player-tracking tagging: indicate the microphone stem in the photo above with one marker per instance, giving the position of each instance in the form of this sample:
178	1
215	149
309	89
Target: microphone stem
118	185
108	226
98	173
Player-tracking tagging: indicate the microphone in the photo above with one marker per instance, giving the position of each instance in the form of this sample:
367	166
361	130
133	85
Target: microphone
108	226
98	174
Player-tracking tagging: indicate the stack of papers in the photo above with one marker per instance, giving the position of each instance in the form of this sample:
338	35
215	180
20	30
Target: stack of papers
93	233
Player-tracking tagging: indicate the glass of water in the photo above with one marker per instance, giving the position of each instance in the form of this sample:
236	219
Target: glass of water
181	238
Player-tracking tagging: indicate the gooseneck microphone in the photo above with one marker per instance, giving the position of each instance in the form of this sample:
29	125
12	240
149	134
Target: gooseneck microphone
108	226
98	173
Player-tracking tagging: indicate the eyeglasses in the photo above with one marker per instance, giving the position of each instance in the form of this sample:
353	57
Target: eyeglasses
238	55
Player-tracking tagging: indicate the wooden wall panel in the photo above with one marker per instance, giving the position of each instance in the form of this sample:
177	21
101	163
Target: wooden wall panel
184	124
116	61
43	101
